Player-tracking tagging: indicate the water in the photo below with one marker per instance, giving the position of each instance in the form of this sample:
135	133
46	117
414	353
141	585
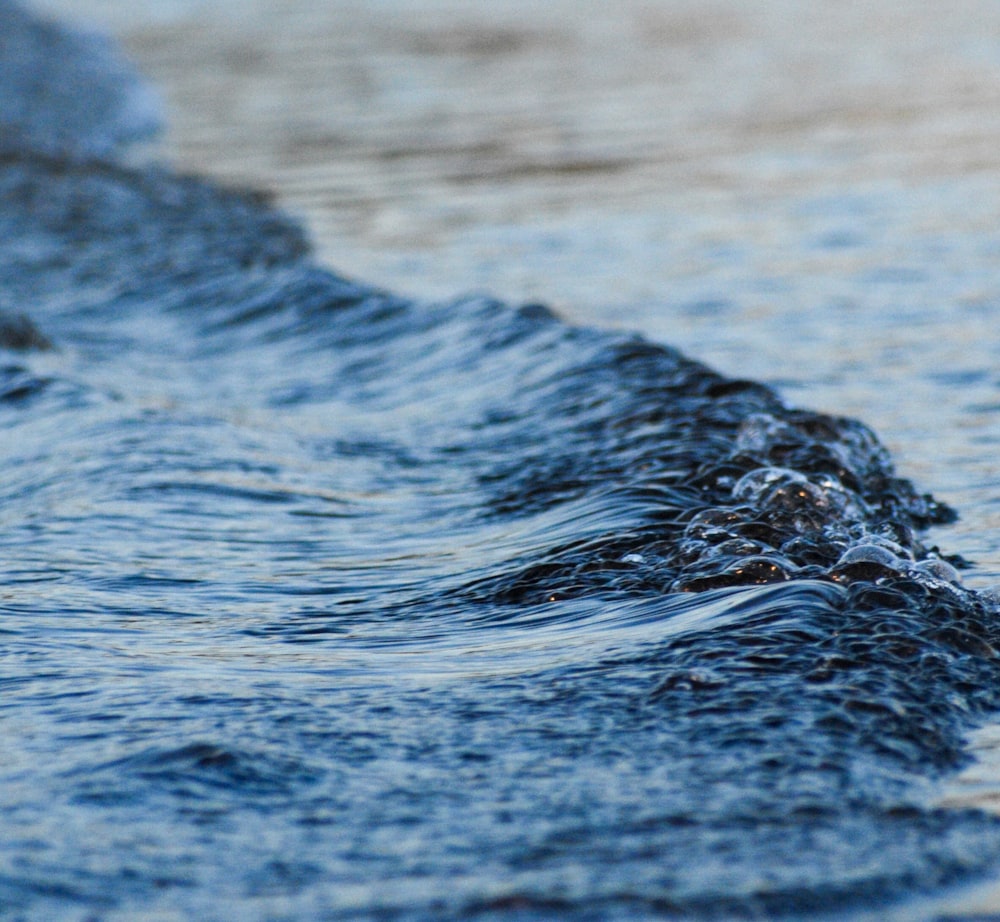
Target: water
320	602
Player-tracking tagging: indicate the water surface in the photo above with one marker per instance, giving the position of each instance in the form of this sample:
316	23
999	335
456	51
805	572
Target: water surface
325	602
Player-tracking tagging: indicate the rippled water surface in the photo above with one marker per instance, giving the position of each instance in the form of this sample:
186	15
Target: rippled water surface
321	602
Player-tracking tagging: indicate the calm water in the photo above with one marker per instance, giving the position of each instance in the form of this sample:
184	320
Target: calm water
319	602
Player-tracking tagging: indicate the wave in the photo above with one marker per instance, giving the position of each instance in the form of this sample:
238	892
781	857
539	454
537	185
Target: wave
545	619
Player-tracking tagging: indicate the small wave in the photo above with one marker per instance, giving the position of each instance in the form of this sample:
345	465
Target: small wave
484	612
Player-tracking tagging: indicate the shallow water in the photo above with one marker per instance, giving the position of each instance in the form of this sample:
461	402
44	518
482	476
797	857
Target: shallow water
321	602
801	195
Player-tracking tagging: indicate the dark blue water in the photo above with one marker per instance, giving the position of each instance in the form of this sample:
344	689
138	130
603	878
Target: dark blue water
319	603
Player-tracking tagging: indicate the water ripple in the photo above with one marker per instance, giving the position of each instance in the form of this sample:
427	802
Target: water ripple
320	602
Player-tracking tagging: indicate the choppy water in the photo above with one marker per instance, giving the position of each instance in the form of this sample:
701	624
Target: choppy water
321	603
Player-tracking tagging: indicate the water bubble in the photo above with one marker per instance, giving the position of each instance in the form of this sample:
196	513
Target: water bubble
757	569
752	486
870	554
869	562
890	545
938	569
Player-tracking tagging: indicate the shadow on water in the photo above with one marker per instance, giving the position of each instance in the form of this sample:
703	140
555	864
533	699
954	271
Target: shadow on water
321	603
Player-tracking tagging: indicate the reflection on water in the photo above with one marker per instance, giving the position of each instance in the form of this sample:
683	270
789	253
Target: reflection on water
798	195
321	602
